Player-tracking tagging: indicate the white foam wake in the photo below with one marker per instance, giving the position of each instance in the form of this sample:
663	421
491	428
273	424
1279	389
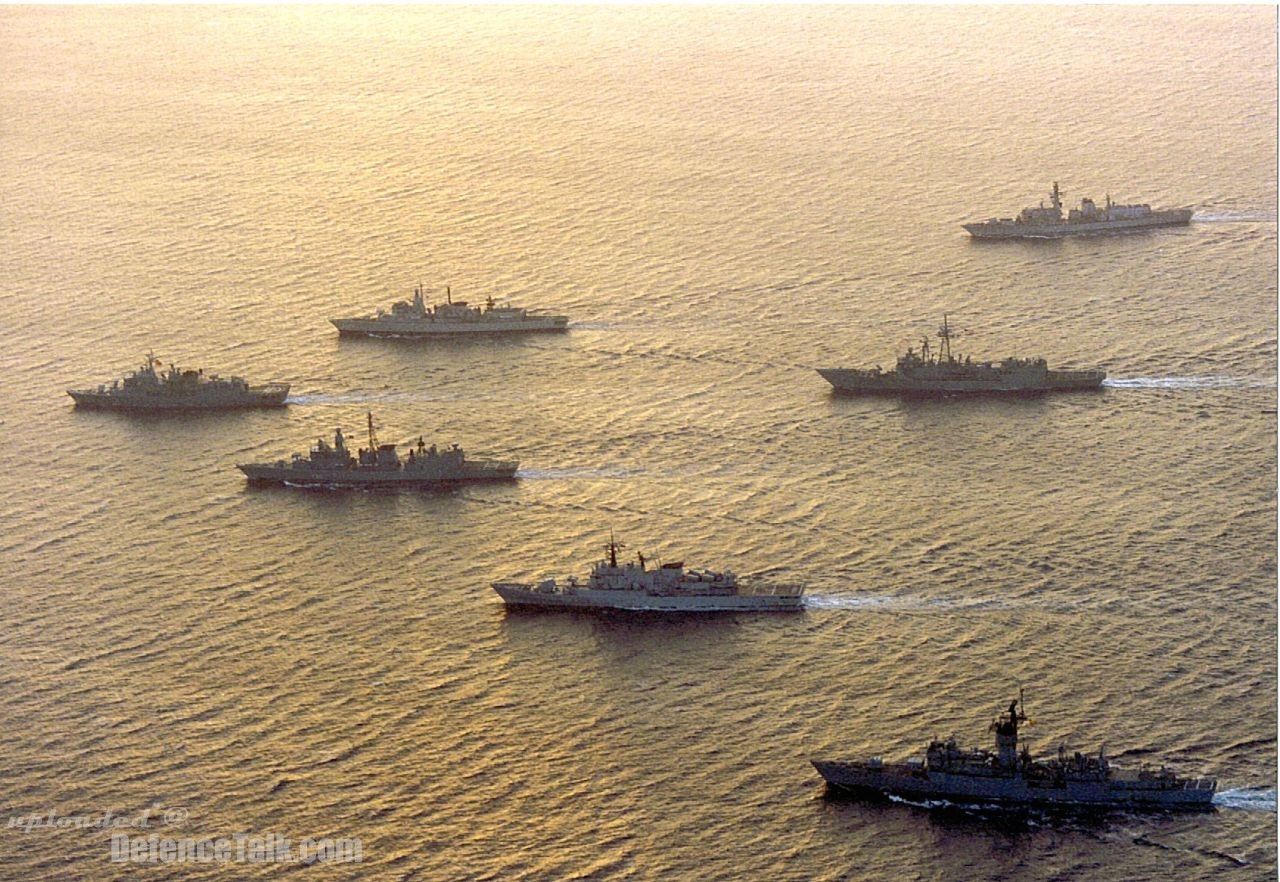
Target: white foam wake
1256	799
376	398
572	473
1228	217
1209	382
831	601
918	604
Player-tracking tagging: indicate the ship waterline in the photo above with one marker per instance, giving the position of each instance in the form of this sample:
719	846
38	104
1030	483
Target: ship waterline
998	378
639	587
1009	776
451	318
1130	791
1049	222
151	388
378	466
941	373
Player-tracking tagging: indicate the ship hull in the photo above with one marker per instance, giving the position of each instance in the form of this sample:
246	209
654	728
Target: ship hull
519	595
374	478
1015	230
860	382
273	397
416	328
918	784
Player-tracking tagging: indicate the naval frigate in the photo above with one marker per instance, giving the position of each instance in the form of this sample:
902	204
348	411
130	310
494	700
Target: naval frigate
1049	222
378	466
151	388
639	587
1009	776
416	319
942	373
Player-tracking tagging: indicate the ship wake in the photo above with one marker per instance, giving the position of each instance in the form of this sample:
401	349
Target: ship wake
1233	217
1208	382
844	601
1257	799
570	474
364	398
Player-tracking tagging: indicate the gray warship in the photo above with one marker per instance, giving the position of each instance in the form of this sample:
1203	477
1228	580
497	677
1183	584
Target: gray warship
1009	776
638	587
941	373
150	388
448	319
1048	222
378	466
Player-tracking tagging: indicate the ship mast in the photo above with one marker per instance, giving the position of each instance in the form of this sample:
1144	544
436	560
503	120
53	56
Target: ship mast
1056	196
946	334
612	548
373	439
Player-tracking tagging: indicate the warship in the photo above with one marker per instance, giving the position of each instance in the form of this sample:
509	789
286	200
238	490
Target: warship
416	319
378	466
638	587
1048	222
941	373
1011	777
152	388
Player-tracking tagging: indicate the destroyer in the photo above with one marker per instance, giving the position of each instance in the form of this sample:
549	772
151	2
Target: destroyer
151	388
378	466
639	587
941	373
1042	222
416	319
1010	776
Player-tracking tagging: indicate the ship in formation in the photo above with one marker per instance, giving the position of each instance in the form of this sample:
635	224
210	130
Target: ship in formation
378	466
941	373
1010	776
449	319
1048	221
639	586
152	388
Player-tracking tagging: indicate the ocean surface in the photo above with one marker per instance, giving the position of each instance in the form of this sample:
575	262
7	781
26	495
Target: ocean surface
722	200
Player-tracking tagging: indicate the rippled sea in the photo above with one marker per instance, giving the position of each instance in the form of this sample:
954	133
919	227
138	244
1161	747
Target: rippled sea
721	199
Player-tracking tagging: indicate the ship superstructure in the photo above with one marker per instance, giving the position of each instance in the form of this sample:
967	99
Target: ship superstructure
153	388
1049	222
379	465
641	587
1010	775
939	372
416	319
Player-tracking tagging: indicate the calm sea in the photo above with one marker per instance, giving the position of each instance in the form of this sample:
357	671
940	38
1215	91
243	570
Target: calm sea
721	199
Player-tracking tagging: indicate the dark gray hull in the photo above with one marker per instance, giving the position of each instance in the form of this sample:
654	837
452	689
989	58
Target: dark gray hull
372	478
1015	790
1014	230
861	382
424	329
273	396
